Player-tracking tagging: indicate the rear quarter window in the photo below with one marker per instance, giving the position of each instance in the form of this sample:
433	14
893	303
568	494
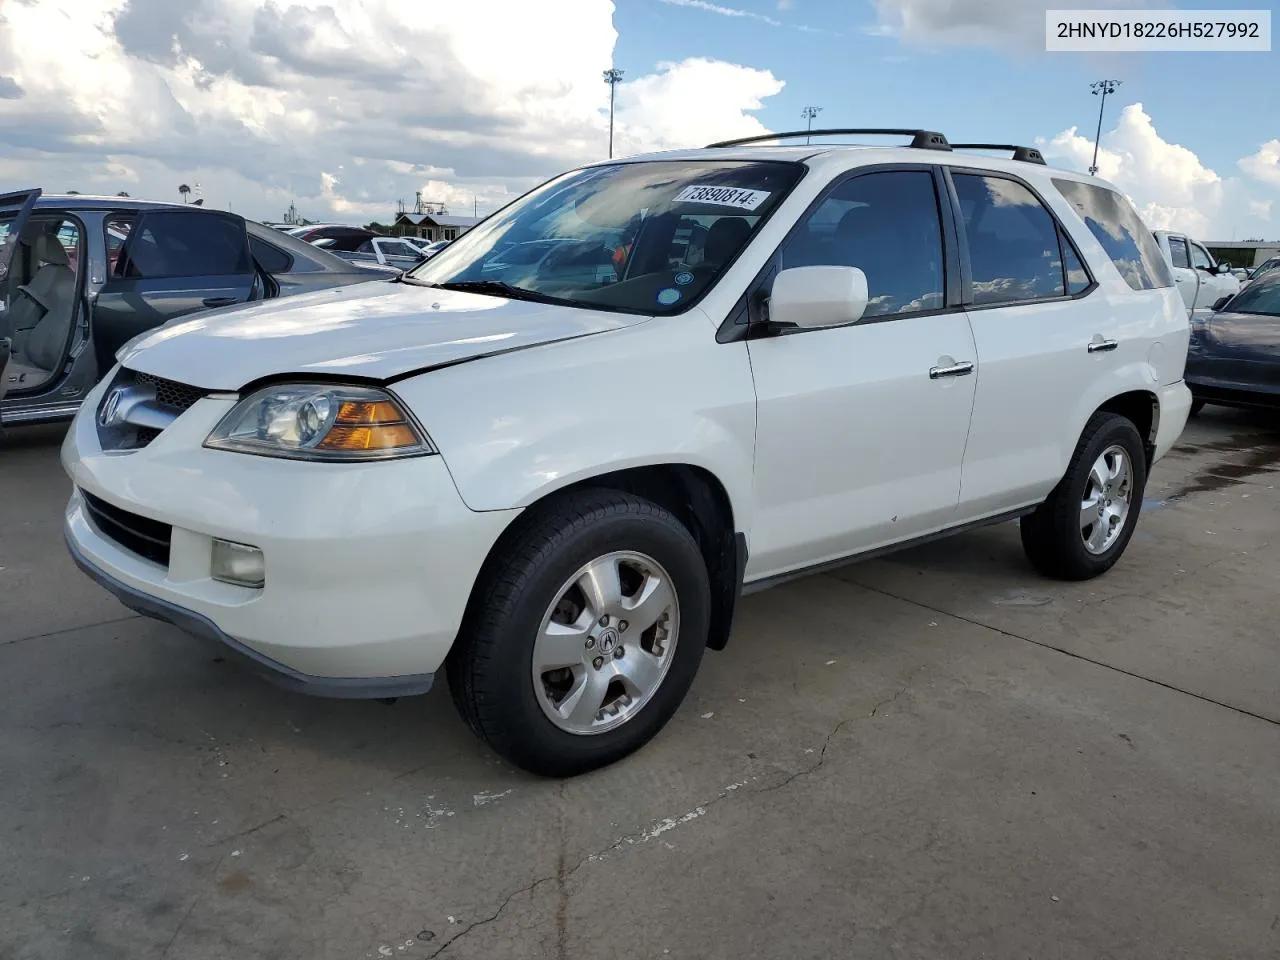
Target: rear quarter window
1120	231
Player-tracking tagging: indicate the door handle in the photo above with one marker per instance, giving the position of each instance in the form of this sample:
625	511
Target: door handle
1101	346
962	369
220	301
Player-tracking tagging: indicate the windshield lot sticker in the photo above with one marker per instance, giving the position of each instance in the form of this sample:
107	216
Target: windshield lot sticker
668	296
722	196
684	279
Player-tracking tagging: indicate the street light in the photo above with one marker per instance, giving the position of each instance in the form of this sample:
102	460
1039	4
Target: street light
1104	89
612	77
807	114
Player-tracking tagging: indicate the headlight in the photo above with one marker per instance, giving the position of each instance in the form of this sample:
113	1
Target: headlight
320	422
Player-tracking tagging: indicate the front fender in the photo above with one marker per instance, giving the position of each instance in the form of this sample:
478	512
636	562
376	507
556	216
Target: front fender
516	427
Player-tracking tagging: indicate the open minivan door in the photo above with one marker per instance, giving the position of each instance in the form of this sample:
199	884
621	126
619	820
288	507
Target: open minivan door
171	262
15	211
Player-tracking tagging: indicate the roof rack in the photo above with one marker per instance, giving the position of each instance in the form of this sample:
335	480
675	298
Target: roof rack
920	139
1024	154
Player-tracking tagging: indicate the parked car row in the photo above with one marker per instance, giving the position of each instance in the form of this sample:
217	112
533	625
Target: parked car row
81	276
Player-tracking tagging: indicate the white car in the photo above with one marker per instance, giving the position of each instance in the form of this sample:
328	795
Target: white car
556	491
1200	279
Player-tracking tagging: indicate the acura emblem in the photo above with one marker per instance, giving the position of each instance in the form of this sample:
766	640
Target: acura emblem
108	415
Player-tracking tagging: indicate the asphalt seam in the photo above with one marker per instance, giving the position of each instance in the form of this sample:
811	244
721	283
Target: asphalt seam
58	633
1069	653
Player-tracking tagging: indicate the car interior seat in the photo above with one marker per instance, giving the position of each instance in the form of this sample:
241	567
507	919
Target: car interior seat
42	310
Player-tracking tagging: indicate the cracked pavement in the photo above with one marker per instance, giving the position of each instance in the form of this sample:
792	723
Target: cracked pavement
934	754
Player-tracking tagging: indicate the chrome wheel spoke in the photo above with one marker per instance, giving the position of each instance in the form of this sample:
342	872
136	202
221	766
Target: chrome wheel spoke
1089	513
639	670
1119	474
582	704
1098	475
1098	535
561	645
601	585
649	605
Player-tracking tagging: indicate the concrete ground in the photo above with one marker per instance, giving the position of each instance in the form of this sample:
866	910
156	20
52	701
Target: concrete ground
937	754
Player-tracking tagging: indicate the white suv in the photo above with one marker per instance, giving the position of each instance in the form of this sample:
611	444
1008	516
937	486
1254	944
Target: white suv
733	366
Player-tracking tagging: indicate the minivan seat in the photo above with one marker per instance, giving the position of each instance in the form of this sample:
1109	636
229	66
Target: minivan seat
41	314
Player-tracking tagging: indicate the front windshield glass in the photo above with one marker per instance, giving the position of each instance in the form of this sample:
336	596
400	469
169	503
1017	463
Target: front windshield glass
1261	296
648	237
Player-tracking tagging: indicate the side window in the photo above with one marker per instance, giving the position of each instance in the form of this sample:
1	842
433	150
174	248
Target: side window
1118	228
1078	279
887	225
366	247
270	257
1014	248
1178	252
180	244
1200	257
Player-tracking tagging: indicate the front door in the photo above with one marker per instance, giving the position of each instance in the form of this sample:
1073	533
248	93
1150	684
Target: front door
15	210
860	431
1186	278
166	264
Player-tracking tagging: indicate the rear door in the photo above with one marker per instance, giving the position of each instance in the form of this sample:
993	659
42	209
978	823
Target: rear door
15	210
166	264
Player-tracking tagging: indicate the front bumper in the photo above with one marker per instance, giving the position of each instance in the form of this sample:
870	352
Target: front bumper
369	567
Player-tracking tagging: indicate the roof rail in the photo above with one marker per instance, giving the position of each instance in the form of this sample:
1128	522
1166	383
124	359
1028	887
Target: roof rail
920	139
1024	154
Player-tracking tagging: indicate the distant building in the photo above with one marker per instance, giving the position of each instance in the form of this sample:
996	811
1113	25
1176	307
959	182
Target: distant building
1243	253
432	226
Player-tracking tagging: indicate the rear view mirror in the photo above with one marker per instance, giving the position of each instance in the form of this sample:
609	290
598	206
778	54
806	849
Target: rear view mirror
1224	267
813	297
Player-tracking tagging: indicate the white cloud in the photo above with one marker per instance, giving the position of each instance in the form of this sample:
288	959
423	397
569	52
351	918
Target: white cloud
997	23
259	100
1170	185
724	11
1265	164
785	5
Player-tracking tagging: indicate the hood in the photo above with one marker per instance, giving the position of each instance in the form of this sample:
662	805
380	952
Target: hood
378	331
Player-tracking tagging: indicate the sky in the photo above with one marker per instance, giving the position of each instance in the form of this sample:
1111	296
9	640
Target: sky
345	107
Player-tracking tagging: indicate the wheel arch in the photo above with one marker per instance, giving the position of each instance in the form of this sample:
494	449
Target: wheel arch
695	496
1142	409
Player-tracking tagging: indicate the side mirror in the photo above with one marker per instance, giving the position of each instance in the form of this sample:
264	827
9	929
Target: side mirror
1224	267
814	297
1220	303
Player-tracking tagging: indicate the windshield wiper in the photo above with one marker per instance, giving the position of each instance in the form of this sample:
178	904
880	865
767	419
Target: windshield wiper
499	288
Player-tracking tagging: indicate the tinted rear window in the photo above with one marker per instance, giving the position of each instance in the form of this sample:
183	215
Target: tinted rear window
1118	228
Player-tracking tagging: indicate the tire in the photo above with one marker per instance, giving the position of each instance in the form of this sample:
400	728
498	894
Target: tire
491	668
1054	536
1196	406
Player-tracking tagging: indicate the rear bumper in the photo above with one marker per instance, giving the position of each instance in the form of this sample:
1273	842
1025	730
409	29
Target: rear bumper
202	628
1175	407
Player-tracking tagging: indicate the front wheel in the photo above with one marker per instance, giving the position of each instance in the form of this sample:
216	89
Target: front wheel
1083	527
584	635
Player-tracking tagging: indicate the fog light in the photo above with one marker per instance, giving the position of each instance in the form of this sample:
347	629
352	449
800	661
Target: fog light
238	563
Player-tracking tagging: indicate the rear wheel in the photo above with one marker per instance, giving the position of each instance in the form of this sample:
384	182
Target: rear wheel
1083	527
584	636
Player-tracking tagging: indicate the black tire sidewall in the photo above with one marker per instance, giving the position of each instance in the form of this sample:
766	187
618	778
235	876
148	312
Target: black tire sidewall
522	730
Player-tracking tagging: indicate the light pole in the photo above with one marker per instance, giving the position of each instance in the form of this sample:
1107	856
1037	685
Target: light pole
808	113
612	77
1103	89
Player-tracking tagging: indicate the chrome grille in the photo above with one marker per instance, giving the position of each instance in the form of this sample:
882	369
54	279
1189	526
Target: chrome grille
170	393
137	407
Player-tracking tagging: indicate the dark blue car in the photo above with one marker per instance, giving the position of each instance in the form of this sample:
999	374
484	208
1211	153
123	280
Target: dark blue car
80	276
1234	356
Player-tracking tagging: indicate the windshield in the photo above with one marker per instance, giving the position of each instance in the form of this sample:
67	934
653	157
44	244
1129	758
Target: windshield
633	237
1261	296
